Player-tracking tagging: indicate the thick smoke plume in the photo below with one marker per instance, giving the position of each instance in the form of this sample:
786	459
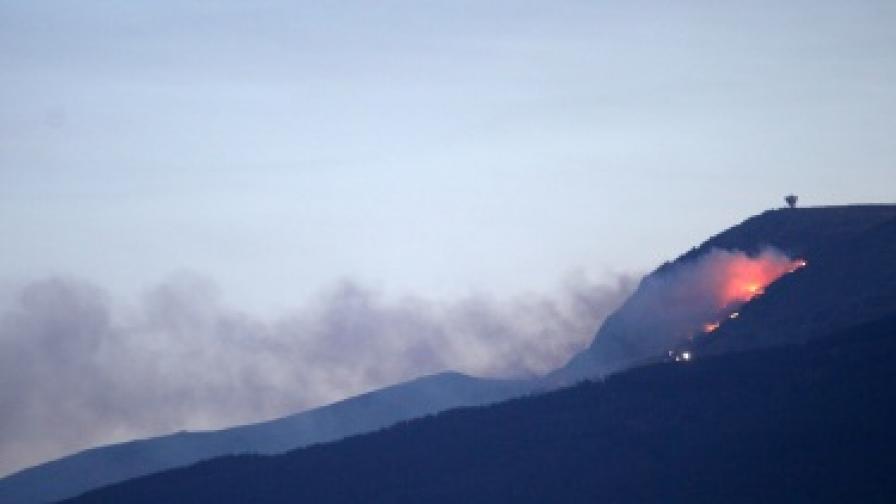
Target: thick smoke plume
78	368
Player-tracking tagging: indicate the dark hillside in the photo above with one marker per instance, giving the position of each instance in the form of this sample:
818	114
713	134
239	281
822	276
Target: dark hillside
849	247
846	282
803	423
797	231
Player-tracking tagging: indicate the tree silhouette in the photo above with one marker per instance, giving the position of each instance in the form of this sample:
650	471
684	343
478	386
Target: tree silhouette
791	200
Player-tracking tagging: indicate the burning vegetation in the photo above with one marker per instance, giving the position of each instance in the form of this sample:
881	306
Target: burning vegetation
690	299
735	282
709	292
744	278
712	326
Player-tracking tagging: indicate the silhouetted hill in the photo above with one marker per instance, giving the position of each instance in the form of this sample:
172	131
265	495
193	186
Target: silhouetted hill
101	466
797	231
850	279
803	423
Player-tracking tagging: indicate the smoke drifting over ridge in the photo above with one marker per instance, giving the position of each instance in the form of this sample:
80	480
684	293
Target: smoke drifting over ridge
78	368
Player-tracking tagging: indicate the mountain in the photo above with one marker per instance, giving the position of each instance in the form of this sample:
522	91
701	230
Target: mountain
850	278
800	423
93	468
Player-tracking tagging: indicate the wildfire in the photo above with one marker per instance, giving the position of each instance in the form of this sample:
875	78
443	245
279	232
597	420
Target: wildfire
753	289
748	277
700	298
743	278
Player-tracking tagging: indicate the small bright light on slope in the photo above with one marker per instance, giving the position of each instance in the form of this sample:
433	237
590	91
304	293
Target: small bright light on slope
683	356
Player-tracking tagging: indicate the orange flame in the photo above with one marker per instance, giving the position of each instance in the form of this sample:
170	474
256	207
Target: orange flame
744	278
747	277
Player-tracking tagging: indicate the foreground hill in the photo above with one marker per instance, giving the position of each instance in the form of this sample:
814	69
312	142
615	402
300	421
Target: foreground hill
101	466
803	423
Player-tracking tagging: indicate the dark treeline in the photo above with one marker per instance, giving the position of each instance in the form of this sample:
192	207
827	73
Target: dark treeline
810	423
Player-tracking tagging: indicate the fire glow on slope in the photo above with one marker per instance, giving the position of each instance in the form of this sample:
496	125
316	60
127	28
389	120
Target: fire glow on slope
689	298
747	277
743	278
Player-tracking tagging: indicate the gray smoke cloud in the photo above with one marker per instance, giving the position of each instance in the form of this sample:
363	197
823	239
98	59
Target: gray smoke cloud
80	368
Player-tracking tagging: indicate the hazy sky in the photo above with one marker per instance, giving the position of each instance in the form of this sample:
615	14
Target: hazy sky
317	199
443	147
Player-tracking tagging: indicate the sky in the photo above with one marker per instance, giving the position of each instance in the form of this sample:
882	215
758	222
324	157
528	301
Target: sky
276	153
444	147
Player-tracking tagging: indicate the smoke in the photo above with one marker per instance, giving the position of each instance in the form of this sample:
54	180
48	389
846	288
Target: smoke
79	368
685	299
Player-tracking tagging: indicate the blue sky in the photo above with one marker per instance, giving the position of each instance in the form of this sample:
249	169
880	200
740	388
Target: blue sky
424	147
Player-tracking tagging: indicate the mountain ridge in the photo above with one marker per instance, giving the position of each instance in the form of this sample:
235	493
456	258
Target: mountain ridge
796	423
801	231
103	465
